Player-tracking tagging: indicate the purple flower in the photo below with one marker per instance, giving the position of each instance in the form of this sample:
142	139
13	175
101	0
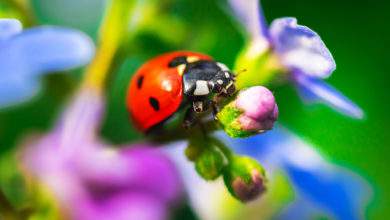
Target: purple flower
300	50
260	110
27	55
93	180
90	179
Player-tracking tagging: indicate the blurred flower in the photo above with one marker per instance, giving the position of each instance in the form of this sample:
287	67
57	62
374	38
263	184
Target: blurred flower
27	55
319	187
295	49
89	178
253	111
93	180
333	189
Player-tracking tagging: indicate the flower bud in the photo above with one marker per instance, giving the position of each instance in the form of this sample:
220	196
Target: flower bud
209	163
245	179
193	151
253	111
259	108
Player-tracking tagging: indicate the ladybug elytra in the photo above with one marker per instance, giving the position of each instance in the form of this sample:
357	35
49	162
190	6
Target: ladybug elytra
173	81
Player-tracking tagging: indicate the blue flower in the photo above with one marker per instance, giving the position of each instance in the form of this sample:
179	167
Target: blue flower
320	187
27	55
300	50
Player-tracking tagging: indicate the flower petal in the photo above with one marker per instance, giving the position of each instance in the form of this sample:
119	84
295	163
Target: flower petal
316	90
37	51
136	168
123	206
14	91
334	189
46	49
300	48
80	121
250	14
9	27
302	209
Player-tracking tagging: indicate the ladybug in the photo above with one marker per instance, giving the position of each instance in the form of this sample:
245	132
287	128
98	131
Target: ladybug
173	81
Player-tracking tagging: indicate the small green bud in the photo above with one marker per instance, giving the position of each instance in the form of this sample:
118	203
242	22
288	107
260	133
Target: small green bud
193	151
245	178
209	164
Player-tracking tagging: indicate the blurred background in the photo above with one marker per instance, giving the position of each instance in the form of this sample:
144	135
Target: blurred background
356	32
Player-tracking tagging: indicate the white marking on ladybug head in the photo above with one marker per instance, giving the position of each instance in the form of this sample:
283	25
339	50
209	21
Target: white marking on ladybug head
223	67
220	82
181	69
227	75
192	59
201	88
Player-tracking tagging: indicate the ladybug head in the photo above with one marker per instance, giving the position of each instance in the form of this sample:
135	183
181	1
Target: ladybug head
222	83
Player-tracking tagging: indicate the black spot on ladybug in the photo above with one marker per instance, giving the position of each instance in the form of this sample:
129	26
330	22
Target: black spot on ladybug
140	80
154	103
177	61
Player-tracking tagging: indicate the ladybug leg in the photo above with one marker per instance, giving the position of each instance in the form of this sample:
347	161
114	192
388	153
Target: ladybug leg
189	118
215	108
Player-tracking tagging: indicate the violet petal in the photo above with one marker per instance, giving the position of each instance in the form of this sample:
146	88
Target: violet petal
300	48
139	168
34	52
316	90
124	206
250	14
9	27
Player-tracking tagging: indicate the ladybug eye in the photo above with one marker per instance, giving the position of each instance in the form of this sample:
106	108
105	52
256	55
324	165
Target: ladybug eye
154	103
140	80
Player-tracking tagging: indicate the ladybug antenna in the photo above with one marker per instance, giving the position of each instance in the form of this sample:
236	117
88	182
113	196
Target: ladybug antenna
241	71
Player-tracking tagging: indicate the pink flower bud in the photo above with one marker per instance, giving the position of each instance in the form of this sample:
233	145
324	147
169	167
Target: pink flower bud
245	178
259	109
248	191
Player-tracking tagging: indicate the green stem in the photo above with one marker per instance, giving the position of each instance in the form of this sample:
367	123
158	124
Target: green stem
7	211
24	10
224	149
112	32
179	133
262	69
221	146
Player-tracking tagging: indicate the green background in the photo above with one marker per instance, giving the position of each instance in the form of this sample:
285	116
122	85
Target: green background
357	33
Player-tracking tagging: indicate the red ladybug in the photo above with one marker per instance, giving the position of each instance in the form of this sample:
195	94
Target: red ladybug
173	81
